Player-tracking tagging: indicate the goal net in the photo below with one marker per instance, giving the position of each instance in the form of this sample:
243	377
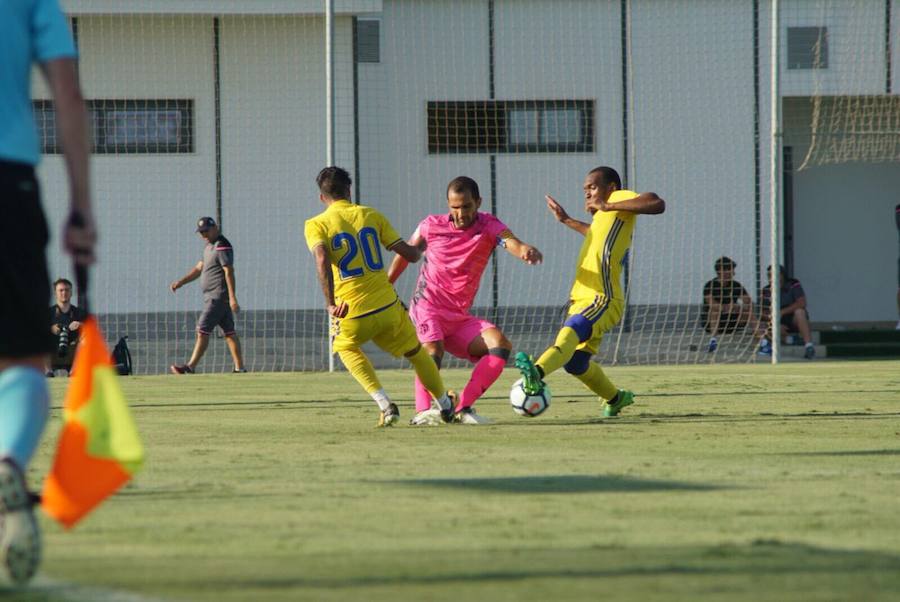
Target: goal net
218	109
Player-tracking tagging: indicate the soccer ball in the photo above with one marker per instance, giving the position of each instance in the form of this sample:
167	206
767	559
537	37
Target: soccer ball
528	405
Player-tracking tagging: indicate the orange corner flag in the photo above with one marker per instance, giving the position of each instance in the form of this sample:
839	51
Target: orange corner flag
99	448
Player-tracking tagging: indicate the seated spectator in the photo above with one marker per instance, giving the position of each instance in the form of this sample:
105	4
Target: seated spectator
727	306
65	320
794	316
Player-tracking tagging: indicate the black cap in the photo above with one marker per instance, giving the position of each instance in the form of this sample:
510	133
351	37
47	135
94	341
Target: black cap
725	262
205	223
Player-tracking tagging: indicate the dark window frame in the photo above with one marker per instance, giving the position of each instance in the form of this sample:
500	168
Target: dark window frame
801	42
484	126
368	40
100	110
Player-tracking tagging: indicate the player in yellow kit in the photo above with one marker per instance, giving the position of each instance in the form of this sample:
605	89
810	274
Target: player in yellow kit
346	241
596	301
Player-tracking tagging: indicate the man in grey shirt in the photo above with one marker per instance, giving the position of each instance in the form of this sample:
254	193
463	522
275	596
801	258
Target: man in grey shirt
216	273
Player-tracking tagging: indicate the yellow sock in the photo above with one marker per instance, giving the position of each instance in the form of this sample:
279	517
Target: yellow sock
427	371
555	357
361	369
596	380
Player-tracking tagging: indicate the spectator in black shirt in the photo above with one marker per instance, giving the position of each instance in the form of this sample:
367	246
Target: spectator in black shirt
727	307
65	321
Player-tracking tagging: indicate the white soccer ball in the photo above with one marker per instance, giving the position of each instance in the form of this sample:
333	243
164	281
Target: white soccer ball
528	405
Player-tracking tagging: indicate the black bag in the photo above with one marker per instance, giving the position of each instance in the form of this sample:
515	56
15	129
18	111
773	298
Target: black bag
121	357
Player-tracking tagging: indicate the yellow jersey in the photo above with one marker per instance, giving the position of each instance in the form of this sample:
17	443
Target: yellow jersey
353	236
604	252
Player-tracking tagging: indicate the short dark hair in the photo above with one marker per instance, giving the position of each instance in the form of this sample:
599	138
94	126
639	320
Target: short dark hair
609	175
62	281
334	182
725	263
781	270
462	185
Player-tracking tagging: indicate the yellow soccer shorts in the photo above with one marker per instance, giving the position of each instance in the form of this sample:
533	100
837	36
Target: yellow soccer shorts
592	318
390	328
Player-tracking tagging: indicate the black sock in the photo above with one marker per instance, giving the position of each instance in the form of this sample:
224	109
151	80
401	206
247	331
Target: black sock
540	371
613	400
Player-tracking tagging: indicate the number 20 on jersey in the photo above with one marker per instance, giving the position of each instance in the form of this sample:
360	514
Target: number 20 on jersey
367	242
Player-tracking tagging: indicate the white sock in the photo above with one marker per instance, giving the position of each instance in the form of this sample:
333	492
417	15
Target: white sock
381	398
445	403
809	344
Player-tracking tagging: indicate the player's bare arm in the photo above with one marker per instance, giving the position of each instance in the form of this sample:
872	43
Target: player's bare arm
79	233
563	217
646	203
189	277
399	263
411	253
229	282
523	251
326	281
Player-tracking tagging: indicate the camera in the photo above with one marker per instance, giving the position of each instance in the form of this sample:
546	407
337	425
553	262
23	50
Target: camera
63	344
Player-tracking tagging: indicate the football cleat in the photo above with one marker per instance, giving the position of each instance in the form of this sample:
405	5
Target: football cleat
446	405
469	416
20	539
389	416
809	352
429	417
531	378
713	345
181	369
623	398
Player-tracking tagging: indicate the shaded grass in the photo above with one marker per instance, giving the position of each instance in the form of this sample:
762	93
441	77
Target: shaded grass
722	482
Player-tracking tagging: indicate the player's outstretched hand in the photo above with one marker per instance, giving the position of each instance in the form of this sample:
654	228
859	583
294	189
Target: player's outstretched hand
175	286
556	209
531	256
338	311
79	237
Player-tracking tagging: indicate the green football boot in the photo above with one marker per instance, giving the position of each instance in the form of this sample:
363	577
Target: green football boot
624	398
531	378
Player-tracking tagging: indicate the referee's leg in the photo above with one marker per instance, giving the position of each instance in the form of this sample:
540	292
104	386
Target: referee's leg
24	399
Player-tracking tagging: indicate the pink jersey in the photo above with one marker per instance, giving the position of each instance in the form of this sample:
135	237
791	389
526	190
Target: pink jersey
455	259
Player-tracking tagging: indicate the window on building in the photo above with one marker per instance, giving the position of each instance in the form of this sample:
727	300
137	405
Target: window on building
511	126
807	48
368	41
127	126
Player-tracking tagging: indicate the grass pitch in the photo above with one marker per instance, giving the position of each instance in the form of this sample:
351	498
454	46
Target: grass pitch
722	482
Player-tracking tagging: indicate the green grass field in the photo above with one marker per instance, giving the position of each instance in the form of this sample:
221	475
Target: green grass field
722	482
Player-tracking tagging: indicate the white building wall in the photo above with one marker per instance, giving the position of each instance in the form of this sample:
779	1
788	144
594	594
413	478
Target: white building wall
273	145
692	67
691	134
855	47
566	51
431	51
146	205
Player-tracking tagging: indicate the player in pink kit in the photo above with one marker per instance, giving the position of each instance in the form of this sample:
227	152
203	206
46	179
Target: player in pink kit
459	245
